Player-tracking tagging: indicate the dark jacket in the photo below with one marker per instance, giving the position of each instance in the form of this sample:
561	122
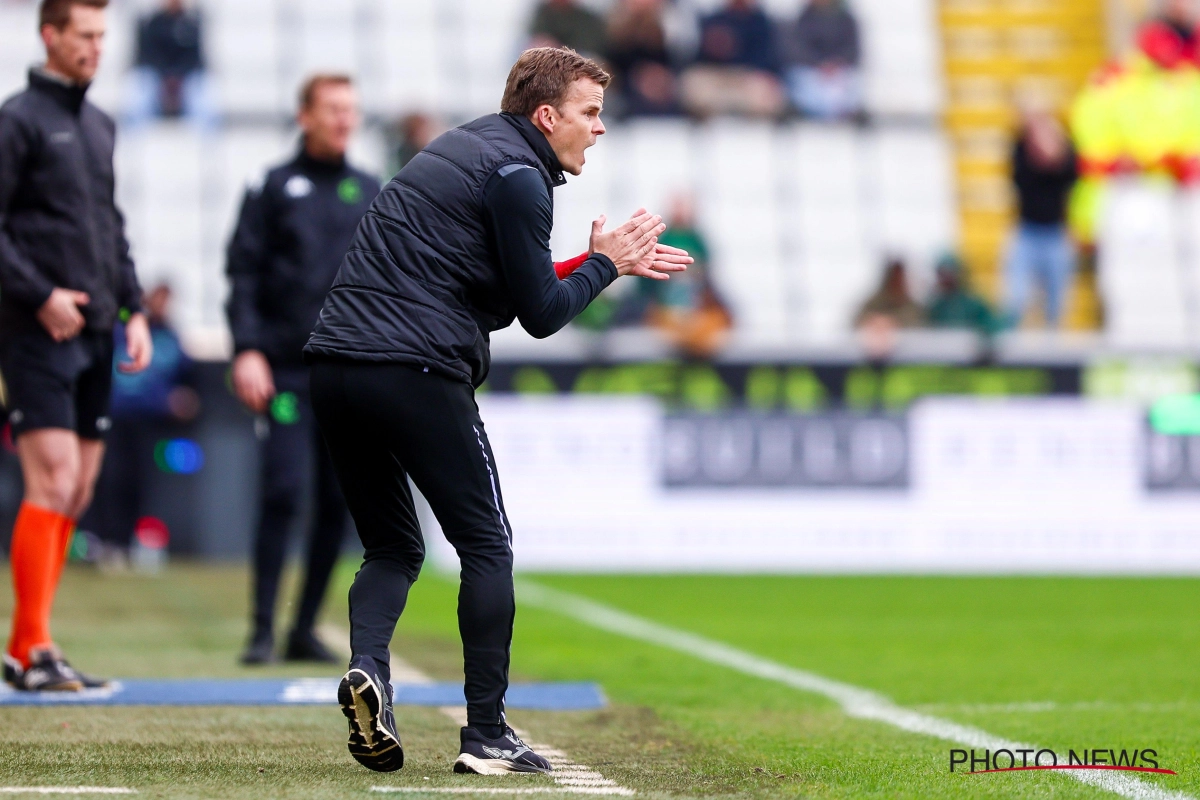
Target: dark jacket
571	25
823	36
455	247
738	38
291	235
59	223
1042	192
171	44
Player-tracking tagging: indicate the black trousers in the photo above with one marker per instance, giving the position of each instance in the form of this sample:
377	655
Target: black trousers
384	423
121	489
293	441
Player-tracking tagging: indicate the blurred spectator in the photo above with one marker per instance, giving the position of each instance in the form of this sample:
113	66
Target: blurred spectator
639	58
735	70
146	407
567	23
822	54
1170	38
168	78
1044	170
415	131
687	308
954	305
890	308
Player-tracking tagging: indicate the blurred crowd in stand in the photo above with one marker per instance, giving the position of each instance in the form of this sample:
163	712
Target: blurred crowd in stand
168	78
737	60
1039	257
1139	115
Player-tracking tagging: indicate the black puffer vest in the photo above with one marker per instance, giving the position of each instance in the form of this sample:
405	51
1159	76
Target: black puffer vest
421	283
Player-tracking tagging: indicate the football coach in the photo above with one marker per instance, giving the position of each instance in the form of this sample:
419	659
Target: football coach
456	246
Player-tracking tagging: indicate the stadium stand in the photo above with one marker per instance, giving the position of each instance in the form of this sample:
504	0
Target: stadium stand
799	215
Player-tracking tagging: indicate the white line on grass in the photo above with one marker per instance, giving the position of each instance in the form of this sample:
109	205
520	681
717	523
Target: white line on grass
855	701
65	790
572	778
469	790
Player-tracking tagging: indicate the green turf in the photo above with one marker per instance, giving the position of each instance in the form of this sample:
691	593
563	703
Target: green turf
1058	662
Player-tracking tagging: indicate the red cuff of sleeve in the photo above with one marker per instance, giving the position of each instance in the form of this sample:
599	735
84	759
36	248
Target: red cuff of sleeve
564	268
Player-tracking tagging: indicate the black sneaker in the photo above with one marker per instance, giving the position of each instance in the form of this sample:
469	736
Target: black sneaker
88	681
260	650
305	646
45	674
484	756
13	670
366	700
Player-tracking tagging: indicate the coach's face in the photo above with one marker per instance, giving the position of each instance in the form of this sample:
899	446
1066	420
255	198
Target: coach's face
575	125
74	51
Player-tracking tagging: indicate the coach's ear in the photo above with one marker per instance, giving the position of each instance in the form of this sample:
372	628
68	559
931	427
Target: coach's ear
545	117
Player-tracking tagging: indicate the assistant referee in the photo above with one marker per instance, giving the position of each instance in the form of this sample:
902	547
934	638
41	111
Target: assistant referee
455	247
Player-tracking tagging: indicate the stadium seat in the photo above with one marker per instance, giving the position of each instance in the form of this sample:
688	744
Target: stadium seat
245	50
657	162
901	57
1141	270
324	38
19	45
913	197
170	243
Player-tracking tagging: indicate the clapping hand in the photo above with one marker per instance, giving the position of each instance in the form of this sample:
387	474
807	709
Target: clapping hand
635	250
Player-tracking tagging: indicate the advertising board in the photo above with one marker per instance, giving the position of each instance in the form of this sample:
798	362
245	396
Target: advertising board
1045	484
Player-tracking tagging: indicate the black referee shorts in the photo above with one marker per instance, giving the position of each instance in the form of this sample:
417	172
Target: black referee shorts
51	384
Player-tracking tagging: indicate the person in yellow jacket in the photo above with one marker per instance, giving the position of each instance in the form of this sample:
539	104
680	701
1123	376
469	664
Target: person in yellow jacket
1139	116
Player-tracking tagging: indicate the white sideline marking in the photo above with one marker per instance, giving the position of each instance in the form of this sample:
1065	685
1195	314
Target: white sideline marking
1039	706
65	790
572	778
492	790
855	701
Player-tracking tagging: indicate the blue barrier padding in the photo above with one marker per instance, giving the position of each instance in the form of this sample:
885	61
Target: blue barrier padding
303	691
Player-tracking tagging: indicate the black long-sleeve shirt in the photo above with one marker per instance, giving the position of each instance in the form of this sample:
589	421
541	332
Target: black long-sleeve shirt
59	223
519	214
1042	192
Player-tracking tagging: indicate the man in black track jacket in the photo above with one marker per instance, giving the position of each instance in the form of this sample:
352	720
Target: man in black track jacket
293	230
455	247
66	279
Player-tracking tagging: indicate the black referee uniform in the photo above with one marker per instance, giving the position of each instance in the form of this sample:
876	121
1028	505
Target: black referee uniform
291	235
59	228
455	247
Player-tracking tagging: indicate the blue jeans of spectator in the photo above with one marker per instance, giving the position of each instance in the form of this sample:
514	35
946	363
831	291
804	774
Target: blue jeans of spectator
144	98
825	94
1038	254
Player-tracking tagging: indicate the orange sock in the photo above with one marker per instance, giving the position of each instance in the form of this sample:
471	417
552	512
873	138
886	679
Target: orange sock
65	532
36	556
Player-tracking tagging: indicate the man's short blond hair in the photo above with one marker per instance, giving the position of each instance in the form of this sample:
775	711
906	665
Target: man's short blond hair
543	75
57	13
315	83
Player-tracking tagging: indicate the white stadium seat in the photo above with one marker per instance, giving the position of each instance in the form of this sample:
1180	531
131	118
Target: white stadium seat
19	45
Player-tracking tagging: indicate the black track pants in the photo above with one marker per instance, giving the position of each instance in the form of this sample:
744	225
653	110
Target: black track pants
384	423
293	441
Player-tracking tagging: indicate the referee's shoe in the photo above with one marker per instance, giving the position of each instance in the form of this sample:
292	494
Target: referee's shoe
366	700
47	672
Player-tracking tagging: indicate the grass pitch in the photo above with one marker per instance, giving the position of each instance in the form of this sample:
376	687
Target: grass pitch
1064	663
